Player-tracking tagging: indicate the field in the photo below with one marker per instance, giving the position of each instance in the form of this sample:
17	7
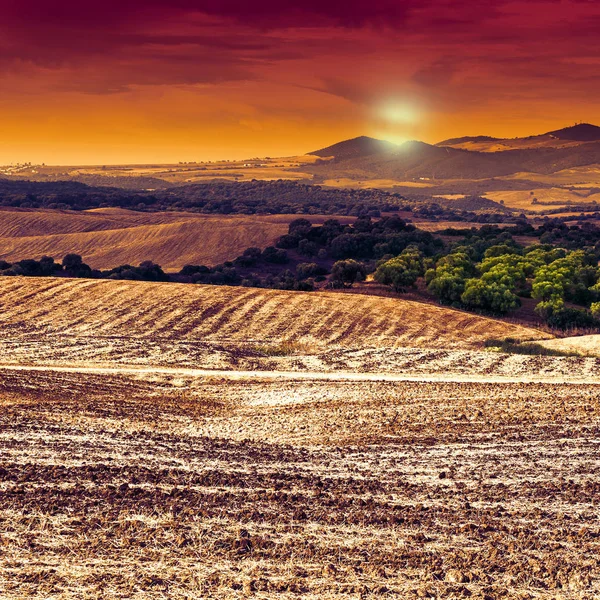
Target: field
119	488
178	441
220	314
542	199
110	237
584	344
162	175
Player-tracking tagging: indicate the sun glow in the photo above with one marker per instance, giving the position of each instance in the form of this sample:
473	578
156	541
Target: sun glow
398	112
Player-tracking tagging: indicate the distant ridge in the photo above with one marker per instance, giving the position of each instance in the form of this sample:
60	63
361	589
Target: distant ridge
355	148
366	158
468	138
582	132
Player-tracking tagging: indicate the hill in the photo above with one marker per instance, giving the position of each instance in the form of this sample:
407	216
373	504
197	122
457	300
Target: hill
582	132
421	161
218	313
355	148
110	237
567	137
468	138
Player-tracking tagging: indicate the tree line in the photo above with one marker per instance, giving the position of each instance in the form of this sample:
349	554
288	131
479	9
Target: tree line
484	270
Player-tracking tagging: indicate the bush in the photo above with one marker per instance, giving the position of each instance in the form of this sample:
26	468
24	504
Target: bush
572	318
75	267
274	255
300	226
489	296
308	248
511	346
305	270
446	287
345	272
402	271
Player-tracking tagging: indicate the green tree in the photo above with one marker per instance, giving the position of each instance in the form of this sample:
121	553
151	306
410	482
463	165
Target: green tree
345	272
402	271
490	296
447	280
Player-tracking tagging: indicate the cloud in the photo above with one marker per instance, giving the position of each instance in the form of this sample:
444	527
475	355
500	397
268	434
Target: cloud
444	55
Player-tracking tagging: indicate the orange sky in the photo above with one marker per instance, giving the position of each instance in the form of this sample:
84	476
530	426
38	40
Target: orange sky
152	81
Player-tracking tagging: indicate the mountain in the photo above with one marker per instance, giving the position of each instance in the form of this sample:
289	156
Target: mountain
560	138
355	148
421	161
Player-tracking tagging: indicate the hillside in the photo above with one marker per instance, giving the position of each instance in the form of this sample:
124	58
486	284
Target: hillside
355	148
567	137
204	313
420	161
582	132
110	237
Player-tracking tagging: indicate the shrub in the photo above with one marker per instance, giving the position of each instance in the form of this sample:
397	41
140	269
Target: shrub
308	248
305	270
345	272
511	346
489	296
402	271
300	226
572	318
75	267
274	255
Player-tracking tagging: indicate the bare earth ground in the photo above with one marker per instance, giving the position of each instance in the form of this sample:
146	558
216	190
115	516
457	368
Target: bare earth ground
152	448
112	487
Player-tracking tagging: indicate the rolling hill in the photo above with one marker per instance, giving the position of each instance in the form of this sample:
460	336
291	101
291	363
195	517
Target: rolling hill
559	138
110	237
141	310
468	158
355	148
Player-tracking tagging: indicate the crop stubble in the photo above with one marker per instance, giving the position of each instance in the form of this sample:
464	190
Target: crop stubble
120	487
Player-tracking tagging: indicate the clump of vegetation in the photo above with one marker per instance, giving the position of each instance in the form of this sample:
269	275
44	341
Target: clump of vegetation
346	272
512	346
402	271
72	265
484	270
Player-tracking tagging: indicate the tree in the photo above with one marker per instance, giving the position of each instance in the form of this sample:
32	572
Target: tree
72	262
299	226
402	271
75	267
345	272
305	270
447	280
490	296
274	255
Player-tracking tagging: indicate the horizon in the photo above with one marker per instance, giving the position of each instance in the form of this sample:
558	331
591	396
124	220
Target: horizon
269	156
167	82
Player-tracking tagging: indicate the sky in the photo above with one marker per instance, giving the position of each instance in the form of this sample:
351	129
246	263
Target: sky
138	81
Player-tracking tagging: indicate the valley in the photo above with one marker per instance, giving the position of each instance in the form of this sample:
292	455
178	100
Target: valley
185	440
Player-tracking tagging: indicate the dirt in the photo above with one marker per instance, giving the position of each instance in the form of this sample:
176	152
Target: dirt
187	487
164	441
